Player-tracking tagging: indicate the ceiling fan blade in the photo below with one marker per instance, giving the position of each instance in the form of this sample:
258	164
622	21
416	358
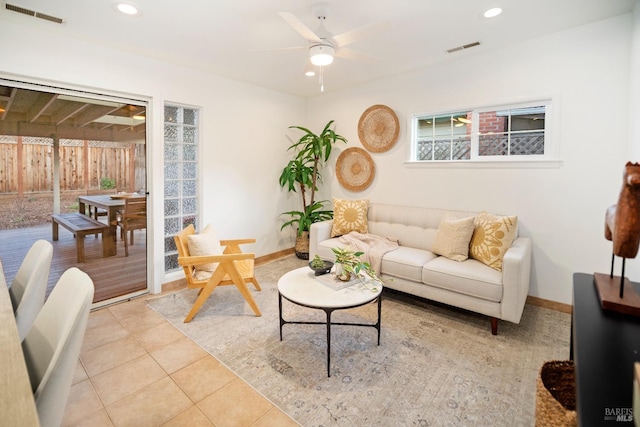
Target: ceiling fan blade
361	33
281	49
300	28
346	53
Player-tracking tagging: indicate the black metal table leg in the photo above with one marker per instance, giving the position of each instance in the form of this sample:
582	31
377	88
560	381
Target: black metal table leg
328	311
280	311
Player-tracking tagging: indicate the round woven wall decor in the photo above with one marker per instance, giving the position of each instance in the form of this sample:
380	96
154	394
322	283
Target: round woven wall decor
378	128
355	169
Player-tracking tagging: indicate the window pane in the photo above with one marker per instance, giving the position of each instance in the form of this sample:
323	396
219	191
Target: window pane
170	114
189	152
529	143
461	149
170	133
493	145
525	119
425	149
442	150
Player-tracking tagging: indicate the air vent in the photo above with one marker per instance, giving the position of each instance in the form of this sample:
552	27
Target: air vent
464	46
33	13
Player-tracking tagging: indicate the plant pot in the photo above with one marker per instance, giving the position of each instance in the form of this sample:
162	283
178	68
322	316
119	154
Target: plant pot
341	274
319	271
302	245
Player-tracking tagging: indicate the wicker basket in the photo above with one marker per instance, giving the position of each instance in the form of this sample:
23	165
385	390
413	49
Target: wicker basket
302	245
556	394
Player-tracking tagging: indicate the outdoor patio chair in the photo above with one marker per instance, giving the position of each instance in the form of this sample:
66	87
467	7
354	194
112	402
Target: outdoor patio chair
133	217
217	268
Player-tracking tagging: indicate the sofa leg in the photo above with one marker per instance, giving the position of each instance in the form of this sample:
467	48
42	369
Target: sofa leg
494	326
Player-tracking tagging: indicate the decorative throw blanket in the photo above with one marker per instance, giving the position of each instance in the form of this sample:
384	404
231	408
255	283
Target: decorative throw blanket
374	247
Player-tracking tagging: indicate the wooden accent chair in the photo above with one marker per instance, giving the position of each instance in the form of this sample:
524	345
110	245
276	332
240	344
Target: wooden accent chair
234	268
133	217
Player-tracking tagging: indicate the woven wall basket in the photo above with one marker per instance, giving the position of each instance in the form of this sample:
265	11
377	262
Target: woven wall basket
355	169
556	395
378	128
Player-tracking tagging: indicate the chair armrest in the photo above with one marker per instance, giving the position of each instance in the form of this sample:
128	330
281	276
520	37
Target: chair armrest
236	242
318	232
206	259
516	270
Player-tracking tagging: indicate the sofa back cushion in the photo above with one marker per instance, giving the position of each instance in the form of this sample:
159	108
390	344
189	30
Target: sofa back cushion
412	226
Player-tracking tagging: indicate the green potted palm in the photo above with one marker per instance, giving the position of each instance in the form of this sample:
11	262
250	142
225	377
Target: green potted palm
303	174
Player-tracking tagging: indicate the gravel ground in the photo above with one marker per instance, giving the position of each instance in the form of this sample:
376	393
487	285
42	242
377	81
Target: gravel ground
19	212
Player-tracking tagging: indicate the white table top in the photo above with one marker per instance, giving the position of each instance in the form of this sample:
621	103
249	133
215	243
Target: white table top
302	287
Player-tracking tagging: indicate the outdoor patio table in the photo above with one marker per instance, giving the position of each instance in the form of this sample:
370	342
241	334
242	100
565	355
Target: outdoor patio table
111	205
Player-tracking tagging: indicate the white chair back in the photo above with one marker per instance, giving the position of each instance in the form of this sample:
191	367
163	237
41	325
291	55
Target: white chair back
52	346
29	287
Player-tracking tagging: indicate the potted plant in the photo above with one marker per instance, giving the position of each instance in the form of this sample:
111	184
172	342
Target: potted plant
303	174
320	266
348	265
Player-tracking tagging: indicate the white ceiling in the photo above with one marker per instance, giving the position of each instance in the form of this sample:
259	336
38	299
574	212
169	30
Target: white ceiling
222	36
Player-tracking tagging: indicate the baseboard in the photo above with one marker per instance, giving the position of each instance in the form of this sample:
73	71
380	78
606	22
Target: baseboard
274	256
261	260
553	305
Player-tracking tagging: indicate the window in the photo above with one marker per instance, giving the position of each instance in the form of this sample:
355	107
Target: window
180	176
503	133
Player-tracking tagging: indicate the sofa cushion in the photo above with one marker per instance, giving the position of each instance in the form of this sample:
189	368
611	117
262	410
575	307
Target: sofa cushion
453	237
470	277
406	262
205	243
492	237
349	215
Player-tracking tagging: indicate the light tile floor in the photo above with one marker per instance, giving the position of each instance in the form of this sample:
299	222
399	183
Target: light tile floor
136	369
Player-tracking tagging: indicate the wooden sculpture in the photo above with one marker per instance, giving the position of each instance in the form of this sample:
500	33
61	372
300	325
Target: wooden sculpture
622	220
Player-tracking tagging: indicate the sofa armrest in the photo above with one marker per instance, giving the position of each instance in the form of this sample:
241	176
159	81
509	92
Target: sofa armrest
516	270
318	232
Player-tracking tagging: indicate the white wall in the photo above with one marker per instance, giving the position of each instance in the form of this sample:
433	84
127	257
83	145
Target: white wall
243	138
586	71
634	89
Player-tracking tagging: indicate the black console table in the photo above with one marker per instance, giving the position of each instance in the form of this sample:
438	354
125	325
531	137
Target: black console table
604	347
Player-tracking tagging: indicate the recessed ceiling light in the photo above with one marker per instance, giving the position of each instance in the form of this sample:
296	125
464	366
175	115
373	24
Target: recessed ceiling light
127	8
493	12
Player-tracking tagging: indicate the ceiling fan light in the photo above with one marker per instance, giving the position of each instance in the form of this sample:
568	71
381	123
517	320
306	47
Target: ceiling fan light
321	54
309	70
493	12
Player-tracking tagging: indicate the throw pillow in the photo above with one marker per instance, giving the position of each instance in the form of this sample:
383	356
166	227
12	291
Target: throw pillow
492	237
349	215
205	243
453	237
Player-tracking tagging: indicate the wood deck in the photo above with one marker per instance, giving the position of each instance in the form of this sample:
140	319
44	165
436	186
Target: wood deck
112	276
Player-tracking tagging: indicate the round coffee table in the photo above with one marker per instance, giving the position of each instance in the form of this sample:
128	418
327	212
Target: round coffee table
301	287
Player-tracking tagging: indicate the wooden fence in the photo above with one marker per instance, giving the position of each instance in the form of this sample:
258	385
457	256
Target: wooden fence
26	165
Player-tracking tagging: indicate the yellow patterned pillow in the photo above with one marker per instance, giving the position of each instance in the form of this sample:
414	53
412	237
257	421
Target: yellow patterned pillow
453	237
492	237
349	215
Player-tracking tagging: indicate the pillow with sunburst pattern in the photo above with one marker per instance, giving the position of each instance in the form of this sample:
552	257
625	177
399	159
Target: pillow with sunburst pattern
492	237
349	215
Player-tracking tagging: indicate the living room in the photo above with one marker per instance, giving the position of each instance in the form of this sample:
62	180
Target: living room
590	73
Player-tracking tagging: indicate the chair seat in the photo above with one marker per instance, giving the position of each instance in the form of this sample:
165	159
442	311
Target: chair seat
245	268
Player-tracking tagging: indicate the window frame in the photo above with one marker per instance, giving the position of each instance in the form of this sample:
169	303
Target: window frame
551	146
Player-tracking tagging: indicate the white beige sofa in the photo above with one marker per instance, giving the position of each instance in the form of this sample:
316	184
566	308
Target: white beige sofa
415	270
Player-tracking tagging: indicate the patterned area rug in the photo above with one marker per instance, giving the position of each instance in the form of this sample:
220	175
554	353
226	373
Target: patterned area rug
435	366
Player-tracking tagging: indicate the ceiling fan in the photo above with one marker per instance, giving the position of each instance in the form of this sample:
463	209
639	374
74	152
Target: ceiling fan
323	46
